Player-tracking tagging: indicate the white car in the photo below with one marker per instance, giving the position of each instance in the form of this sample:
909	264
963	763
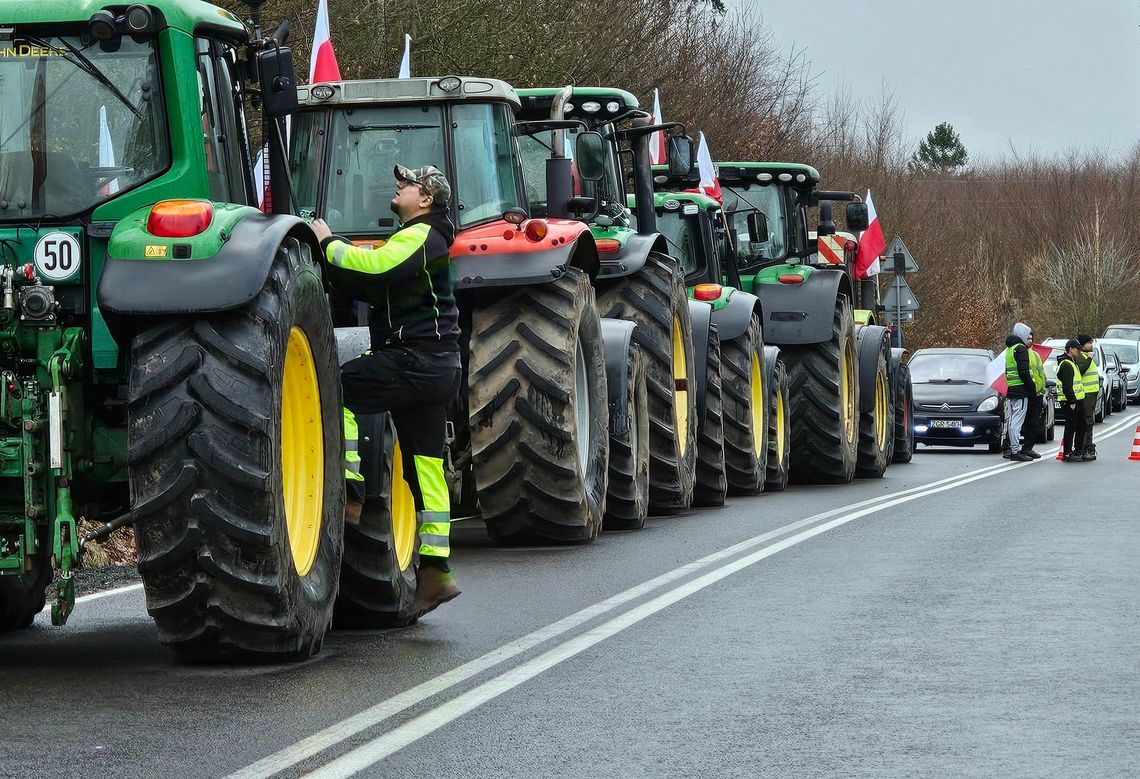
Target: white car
1128	352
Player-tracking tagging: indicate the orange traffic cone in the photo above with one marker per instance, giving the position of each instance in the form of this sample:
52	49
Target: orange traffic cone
1135	445
1061	451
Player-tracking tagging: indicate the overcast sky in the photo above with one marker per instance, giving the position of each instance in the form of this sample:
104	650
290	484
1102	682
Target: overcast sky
1046	75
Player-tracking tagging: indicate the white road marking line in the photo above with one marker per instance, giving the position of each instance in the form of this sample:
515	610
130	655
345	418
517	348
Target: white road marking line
100	594
383	746
345	729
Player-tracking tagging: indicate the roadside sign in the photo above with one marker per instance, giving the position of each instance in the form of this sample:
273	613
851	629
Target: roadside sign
898	296
898	247
899	317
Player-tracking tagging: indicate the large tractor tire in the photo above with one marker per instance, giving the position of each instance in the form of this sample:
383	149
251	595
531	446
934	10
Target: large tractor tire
538	412
627	496
778	460
378	572
236	470
711	485
656	299
876	414
746	409
824	387
22	596
904	419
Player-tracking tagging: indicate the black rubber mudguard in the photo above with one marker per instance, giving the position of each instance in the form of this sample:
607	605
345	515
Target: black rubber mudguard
228	280
732	320
617	338
702	320
633	256
870	340
473	272
796	314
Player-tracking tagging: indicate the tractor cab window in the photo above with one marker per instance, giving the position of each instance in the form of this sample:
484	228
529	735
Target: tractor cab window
536	150
683	235
79	123
219	106
365	144
738	203
305	149
486	179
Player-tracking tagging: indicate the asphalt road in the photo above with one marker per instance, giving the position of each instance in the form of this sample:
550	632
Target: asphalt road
963	616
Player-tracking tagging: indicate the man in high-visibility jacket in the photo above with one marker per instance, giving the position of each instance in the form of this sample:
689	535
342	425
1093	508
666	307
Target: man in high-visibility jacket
1070	392
1090	376
1021	387
413	369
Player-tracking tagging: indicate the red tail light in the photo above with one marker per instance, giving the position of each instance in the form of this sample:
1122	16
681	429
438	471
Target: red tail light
706	292
790	278
608	245
179	218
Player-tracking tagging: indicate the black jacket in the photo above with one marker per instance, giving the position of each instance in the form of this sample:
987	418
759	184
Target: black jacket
407	283
1021	360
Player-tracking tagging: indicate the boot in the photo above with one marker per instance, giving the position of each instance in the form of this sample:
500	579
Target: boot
434	587
1089	453
1021	457
1073	458
1029	451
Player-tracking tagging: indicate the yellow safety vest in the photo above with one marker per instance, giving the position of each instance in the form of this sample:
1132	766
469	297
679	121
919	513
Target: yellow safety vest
1078	385
1037	368
1090	378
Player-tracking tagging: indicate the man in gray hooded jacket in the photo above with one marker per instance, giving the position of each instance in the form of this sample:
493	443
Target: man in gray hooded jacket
1022	389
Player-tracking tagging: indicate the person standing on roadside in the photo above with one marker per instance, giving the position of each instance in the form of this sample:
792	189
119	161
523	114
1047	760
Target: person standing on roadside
1021	388
1071	393
1091	378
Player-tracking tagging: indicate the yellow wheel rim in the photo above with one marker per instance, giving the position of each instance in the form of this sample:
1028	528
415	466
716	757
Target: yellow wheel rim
680	386
758	400
881	421
847	385
780	430
302	452
403	512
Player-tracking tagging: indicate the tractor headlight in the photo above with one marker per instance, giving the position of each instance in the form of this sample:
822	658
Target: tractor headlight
591	107
989	404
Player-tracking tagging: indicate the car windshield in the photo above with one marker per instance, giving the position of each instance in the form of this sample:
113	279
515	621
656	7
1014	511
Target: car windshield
738	203
367	143
1127	333
1050	364
1128	354
948	368
683	236
79	123
536	150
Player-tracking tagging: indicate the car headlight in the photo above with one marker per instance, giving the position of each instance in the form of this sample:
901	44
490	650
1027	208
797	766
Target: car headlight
989	404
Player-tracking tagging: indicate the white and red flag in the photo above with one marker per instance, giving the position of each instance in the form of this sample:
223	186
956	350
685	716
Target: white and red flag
710	184
322	63
995	371
406	60
657	154
871	244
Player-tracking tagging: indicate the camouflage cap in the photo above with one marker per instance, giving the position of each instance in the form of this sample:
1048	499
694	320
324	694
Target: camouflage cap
429	178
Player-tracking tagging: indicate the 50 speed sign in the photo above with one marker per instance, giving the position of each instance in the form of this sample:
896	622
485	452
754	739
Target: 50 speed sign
58	256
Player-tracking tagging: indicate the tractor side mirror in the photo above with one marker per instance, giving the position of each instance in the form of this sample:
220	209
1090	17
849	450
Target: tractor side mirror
857	217
679	154
278	82
757	227
590	156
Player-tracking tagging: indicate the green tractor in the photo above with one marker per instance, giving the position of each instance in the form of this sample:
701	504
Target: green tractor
167	356
754	377
551	428
641	279
847	386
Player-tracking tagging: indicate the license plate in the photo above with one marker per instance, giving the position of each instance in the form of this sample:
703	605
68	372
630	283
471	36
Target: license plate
946	423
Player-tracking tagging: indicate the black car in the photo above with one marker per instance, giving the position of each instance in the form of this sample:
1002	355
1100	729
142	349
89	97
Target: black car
953	403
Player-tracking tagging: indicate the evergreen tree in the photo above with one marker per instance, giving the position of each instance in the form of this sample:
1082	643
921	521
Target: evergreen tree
941	152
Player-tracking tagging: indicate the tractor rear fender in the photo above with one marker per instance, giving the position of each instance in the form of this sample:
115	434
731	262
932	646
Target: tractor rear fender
701	314
633	256
732	318
131	285
617	338
870	340
802	313
480	263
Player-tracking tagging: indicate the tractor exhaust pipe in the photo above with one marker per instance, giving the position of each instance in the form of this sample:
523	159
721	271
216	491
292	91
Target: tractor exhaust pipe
559	179
643	178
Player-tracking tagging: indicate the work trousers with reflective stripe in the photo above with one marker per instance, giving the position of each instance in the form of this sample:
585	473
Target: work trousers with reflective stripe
415	387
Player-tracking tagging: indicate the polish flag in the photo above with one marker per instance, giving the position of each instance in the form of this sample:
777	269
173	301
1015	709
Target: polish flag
710	184
322	63
106	152
406	60
657	154
871	244
995	371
